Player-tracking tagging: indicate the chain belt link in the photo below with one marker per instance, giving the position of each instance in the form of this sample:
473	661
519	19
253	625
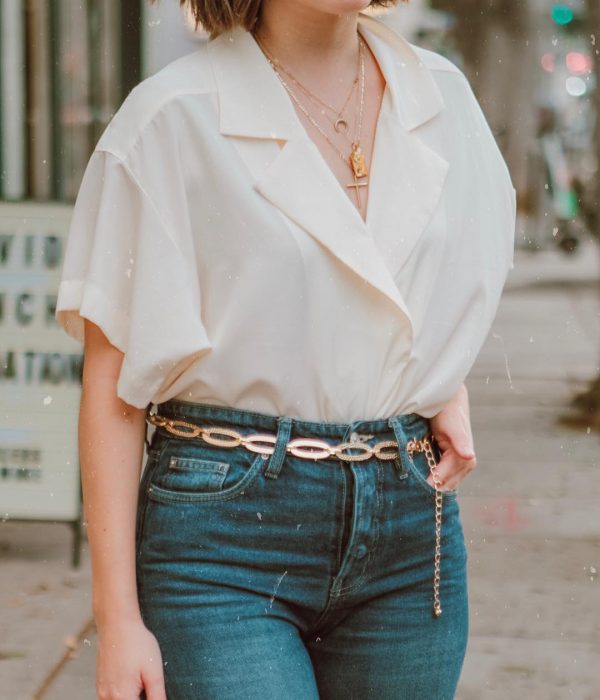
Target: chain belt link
306	448
312	448
424	445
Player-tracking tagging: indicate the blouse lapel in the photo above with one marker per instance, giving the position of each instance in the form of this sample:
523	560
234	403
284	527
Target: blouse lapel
407	175
291	173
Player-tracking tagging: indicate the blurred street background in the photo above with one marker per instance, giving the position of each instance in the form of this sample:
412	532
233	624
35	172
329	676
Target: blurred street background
531	509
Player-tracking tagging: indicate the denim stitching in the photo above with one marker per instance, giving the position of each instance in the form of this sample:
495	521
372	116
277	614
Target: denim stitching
165	496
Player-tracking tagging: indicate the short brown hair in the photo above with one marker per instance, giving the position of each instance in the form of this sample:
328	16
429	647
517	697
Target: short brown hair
218	16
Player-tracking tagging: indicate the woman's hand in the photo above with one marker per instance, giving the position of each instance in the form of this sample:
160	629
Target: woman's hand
128	659
451	428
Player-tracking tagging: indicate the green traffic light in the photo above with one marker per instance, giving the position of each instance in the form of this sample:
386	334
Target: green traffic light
562	14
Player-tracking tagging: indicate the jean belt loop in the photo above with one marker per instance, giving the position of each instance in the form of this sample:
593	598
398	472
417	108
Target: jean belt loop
399	463
284	431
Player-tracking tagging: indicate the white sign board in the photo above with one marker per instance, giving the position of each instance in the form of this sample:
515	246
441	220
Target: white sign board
40	369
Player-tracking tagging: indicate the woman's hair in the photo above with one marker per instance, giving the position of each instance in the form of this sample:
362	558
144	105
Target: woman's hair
218	16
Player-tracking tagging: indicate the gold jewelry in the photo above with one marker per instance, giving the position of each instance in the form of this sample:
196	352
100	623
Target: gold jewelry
262	443
278	65
339	121
356	159
312	448
424	445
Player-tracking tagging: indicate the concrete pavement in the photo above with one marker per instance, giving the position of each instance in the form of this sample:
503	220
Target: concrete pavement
531	515
531	509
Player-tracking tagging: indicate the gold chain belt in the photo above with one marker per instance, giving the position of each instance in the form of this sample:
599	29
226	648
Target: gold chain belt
306	448
312	448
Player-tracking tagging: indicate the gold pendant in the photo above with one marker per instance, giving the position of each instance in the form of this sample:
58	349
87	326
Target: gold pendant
357	161
341	125
357	185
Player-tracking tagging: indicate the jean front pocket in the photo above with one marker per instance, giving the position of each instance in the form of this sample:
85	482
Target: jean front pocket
420	470
194	474
202	474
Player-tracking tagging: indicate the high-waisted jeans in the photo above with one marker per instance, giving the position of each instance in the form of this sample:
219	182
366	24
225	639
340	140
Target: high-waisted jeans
274	577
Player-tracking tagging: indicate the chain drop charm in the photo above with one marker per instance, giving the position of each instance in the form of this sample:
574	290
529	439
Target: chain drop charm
424	445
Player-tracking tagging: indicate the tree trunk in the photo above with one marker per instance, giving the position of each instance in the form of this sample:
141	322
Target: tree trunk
498	47
593	32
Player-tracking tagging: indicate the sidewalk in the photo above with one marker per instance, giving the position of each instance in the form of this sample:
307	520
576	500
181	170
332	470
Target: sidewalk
530	515
531	508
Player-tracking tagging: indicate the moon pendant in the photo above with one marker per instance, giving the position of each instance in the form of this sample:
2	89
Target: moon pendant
341	125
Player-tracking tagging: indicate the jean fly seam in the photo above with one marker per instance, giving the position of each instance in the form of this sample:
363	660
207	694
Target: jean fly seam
331	600
378	510
353	587
358	520
342	529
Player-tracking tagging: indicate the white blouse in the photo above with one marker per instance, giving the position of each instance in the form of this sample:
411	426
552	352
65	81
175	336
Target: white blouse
215	248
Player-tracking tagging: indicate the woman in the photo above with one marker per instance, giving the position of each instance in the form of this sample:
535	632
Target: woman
293	241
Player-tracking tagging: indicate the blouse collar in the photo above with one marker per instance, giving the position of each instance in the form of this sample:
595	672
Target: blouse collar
407	175
253	102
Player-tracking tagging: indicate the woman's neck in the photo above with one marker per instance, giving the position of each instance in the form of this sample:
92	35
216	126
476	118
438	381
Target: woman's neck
307	40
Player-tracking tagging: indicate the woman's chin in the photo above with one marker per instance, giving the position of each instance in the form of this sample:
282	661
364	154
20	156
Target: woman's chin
336	7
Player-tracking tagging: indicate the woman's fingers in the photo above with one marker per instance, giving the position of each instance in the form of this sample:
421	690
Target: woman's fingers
451	427
154	686
452	430
451	470
152	674
128	663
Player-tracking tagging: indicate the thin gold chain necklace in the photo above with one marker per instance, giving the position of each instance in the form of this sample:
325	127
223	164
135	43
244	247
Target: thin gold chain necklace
276	64
356	158
339	123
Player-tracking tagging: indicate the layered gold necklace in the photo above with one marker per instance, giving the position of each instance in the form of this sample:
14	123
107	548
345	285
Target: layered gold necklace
355	159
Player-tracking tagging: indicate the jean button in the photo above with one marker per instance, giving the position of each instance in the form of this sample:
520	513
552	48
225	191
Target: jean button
361	550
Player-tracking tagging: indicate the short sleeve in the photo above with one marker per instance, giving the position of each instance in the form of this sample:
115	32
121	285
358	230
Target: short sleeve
124	271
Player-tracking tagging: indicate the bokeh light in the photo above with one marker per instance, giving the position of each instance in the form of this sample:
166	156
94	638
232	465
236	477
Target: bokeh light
562	14
578	62
576	86
548	62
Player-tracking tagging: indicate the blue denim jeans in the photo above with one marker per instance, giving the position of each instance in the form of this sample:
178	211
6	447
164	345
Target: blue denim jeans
282	578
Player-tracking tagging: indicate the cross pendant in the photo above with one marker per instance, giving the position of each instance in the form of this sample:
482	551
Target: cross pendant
356	184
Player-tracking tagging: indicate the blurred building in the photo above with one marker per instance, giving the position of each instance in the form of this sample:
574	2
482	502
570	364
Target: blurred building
65	67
